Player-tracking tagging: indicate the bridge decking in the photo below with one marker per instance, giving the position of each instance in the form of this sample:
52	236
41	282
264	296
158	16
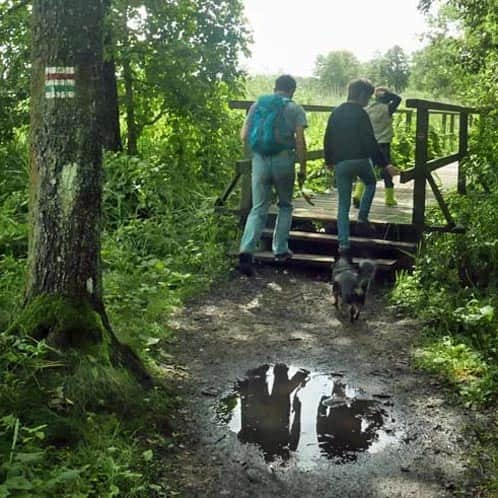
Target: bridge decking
325	207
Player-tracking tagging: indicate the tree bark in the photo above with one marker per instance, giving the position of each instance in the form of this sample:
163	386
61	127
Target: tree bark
66	156
110	128
109	119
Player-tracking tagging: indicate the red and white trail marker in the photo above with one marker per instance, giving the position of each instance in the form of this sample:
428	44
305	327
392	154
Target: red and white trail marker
59	83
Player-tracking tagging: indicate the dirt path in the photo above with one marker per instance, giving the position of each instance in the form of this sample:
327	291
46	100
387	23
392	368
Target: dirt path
388	431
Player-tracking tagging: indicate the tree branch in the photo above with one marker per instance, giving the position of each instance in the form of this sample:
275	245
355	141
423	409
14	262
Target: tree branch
19	5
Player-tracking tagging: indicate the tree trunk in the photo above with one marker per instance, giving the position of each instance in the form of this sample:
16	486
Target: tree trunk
66	157
131	125
110	129
109	119
64	303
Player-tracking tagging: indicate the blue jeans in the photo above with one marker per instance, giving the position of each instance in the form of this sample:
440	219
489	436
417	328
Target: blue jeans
267	172
345	173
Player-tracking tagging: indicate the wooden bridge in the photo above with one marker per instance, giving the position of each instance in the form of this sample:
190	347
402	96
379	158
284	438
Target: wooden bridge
398	230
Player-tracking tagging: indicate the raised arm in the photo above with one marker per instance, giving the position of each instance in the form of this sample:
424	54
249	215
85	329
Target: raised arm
394	102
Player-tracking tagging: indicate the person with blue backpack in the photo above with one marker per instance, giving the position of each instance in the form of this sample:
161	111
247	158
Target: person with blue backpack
274	132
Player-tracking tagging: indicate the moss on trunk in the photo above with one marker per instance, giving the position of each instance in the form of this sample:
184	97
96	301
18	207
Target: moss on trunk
62	321
72	324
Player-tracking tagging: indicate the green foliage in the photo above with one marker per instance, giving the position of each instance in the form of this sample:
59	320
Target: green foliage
13	198
59	433
454	291
182	57
14	68
460	365
437	68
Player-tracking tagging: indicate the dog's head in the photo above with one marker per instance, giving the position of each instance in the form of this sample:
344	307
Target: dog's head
350	284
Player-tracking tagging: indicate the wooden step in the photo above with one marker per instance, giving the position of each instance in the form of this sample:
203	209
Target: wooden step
320	260
318	237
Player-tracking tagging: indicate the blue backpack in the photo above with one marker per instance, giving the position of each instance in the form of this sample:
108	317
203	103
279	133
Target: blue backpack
267	127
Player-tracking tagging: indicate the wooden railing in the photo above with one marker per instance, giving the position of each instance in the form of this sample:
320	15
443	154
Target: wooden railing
421	173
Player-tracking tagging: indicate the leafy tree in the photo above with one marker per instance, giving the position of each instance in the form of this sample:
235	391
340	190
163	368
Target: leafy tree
394	69
470	29
170	57
389	69
436	69
175	56
336	69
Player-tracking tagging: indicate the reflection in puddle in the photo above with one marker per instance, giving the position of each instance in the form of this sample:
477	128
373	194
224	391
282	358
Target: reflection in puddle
289	411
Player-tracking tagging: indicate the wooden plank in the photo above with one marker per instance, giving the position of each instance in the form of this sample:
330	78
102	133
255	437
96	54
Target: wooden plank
463	150
246	104
228	190
318	237
418	217
409	174
427	104
321	260
440	200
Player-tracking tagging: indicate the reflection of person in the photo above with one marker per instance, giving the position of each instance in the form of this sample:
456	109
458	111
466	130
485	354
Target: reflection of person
274	170
266	417
350	147
381	116
346	426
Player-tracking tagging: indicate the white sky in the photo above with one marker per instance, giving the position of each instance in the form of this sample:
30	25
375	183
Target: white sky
290	34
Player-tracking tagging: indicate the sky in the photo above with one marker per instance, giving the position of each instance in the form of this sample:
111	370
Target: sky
289	34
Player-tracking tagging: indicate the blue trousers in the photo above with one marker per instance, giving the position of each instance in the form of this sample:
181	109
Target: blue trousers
267	172
345	173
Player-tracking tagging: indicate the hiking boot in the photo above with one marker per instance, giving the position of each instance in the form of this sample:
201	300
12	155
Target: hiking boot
246	264
389	199
358	193
284	256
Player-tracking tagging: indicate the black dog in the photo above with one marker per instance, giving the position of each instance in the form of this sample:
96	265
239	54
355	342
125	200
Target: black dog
350	284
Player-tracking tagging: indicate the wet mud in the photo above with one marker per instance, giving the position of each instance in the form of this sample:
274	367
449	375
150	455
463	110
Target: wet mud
285	398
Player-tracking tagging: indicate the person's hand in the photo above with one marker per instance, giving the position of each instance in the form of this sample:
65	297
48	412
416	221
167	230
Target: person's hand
301	178
392	170
330	167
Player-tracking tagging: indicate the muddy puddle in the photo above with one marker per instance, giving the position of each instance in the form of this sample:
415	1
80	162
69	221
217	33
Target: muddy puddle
308	417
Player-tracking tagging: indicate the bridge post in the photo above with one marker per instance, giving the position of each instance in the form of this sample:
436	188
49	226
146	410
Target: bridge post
444	124
418	217
452	130
245	204
462	151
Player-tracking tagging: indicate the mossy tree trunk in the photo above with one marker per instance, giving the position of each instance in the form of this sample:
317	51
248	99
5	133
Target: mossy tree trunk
64	301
